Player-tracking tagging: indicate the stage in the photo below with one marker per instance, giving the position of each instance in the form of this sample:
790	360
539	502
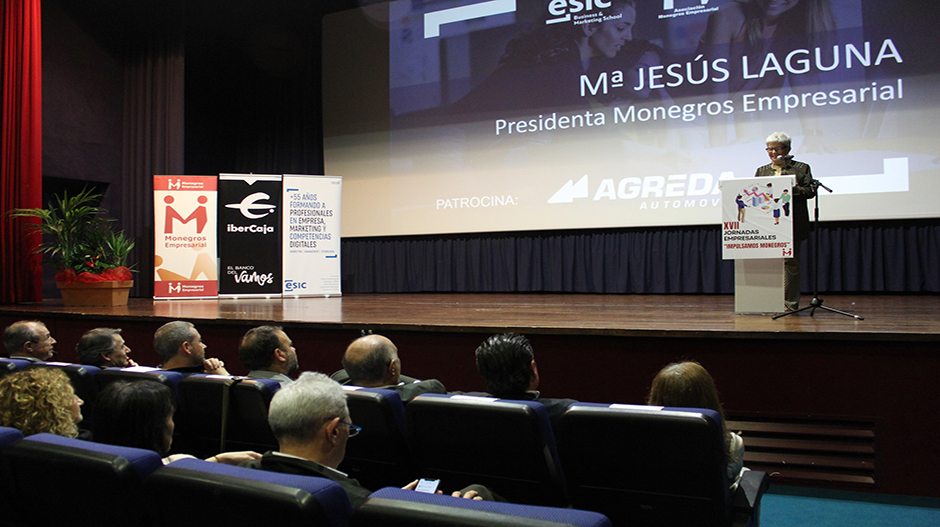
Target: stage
823	400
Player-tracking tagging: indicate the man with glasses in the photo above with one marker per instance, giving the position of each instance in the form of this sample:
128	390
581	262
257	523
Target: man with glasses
311	422
782	163
30	340
372	361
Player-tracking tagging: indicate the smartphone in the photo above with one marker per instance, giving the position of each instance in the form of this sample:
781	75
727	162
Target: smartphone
428	485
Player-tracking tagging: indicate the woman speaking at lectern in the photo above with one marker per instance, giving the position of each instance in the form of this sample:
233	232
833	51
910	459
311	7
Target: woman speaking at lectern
783	164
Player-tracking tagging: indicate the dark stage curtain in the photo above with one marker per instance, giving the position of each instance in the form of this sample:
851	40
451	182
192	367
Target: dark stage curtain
21	149
887	256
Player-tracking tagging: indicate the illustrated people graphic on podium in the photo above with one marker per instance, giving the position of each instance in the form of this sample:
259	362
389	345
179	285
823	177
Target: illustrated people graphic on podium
776	211
741	206
785	201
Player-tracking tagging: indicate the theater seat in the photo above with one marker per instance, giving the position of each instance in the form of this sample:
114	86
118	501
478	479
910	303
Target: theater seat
138	373
394	507
206	401
380	455
196	493
8	366
505	445
644	465
69	476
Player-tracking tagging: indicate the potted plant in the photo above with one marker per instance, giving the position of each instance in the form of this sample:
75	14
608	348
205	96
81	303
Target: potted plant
88	254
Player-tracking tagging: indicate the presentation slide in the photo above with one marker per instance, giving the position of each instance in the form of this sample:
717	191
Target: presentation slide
462	116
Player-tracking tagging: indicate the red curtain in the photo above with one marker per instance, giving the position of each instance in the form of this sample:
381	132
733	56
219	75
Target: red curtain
21	149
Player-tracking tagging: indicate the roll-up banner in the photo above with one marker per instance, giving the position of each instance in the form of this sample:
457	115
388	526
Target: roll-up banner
312	235
185	240
249	235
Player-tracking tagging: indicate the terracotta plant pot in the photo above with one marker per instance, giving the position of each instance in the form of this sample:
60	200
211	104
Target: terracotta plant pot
96	293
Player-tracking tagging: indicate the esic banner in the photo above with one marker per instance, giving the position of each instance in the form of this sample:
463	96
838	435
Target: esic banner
184	237
312	235
757	221
249	235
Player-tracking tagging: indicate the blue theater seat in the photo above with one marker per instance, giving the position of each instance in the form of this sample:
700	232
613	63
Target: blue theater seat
505	445
644	465
74	474
394	507
380	455
196	493
8	366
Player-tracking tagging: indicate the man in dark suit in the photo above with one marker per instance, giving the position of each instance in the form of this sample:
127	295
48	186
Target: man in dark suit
507	363
372	361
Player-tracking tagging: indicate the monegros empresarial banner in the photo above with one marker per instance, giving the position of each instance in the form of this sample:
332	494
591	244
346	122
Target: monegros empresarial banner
249	235
185	243
312	235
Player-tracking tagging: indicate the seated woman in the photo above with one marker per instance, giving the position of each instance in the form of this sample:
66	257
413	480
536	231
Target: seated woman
140	414
689	385
40	400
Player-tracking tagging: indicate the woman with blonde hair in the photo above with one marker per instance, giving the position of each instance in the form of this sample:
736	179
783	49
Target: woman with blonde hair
40	400
689	385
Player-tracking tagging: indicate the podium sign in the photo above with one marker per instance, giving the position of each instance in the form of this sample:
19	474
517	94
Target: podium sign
756	218
757	233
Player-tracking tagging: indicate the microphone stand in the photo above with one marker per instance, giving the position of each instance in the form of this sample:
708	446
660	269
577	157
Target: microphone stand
816	302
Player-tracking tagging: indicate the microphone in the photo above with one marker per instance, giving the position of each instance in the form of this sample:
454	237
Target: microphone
787	157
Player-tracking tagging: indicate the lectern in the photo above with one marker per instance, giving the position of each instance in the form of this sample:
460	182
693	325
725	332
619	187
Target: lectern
757	233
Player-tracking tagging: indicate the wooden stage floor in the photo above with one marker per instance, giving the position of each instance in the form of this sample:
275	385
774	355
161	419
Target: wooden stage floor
886	317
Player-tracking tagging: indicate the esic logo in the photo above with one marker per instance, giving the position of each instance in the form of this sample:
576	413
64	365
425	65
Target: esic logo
250	203
200	215
290	285
563	9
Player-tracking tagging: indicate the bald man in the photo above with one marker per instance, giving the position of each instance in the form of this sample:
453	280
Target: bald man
372	362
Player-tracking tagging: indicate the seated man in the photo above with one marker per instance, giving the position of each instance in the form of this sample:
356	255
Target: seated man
311	422
180	346
30	340
104	348
372	362
269	354
507	364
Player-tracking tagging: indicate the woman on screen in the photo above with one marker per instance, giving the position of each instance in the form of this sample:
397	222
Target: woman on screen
754	29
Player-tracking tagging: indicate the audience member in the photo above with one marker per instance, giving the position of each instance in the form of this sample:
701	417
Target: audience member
139	414
180	346
30	340
689	385
372	361
38	400
311	422
268	353
104	348
507	363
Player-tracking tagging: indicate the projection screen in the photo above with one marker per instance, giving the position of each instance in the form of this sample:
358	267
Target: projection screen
461	116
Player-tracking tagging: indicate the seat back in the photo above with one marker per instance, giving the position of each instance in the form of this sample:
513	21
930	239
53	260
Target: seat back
248	423
82	377
8	366
644	465
108	375
196	493
380	455
81	469
394	507
505	445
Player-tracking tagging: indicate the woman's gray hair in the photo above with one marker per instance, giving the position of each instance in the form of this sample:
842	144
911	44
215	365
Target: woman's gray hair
299	409
778	137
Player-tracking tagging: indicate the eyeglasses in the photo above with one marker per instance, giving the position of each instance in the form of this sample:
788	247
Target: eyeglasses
776	148
353	429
